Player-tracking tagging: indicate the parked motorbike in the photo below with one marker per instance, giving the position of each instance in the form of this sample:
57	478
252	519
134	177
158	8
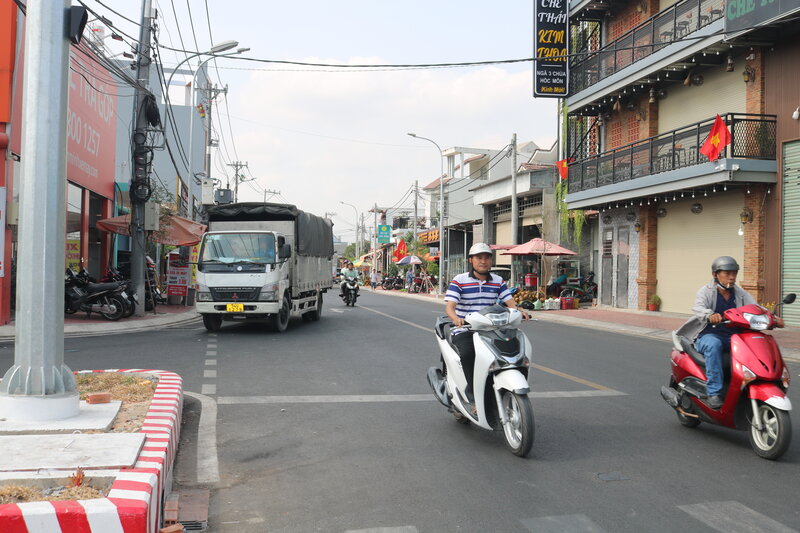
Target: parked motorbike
112	274
392	283
585	292
107	299
756	381
152	294
500	379
422	284
350	291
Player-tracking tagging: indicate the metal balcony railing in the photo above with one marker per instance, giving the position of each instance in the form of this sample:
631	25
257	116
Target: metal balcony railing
672	24
752	137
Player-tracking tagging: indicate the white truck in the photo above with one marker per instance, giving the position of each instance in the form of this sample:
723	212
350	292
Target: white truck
263	261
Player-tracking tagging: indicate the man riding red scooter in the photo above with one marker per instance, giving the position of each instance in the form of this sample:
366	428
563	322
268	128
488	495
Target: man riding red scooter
727	319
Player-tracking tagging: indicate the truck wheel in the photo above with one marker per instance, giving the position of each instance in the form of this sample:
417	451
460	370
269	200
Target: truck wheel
280	320
316	314
212	322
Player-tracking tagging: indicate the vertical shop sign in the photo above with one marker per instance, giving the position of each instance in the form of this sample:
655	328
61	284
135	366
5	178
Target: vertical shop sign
73	254
551	40
177	276
2	230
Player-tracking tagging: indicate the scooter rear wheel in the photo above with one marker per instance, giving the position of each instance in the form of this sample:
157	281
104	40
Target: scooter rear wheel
519	431
773	439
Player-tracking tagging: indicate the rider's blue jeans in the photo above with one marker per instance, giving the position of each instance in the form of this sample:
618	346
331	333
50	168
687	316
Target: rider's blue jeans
712	347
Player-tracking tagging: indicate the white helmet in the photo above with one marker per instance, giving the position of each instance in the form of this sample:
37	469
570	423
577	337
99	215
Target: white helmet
479	248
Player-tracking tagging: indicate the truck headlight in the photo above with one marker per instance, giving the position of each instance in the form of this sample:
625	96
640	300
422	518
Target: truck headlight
269	293
204	296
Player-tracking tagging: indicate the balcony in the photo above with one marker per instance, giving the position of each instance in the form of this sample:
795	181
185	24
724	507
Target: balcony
673	24
753	137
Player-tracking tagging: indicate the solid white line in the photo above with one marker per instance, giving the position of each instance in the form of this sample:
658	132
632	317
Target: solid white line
207	461
400	529
208	388
378	398
733	517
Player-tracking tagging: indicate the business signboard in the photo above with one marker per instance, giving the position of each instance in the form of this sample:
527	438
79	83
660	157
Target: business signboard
551	36
384	233
91	126
748	14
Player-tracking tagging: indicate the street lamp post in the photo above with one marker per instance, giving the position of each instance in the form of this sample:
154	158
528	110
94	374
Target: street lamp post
442	232
358	243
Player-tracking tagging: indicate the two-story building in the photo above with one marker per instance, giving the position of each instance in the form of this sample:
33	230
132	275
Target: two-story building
647	79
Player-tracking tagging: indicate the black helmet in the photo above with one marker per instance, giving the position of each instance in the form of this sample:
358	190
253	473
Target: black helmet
724	262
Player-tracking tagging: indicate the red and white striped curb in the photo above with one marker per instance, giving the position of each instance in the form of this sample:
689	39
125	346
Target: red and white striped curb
134	503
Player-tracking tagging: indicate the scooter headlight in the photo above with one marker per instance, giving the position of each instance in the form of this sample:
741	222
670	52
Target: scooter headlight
498	319
748	374
786	378
757	322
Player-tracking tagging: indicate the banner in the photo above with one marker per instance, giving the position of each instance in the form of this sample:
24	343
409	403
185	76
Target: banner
384	233
551	35
177	276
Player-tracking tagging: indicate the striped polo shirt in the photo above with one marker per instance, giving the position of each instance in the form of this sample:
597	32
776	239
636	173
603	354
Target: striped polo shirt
471	294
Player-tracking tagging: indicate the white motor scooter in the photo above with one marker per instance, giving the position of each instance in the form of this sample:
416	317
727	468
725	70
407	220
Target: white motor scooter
500	378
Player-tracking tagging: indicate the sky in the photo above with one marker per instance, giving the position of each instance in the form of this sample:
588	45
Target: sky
321	136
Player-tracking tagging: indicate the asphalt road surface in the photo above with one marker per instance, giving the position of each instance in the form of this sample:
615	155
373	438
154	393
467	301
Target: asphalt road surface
332	427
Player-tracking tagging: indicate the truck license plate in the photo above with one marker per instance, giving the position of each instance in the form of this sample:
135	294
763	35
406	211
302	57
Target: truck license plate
235	308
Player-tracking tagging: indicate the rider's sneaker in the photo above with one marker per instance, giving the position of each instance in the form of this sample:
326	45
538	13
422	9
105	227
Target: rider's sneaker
714	402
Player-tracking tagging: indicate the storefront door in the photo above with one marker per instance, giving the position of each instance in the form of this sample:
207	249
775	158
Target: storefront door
790	248
607	281
623	234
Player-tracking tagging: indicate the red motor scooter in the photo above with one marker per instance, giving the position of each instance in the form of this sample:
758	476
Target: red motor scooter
756	380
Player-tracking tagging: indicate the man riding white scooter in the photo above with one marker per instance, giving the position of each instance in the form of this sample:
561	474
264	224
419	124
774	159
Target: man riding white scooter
470	292
712	338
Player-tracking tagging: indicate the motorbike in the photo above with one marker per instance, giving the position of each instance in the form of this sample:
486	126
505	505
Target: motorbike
392	282
422	284
350	291
756	381
500	379
585	292
112	274
107	299
152	294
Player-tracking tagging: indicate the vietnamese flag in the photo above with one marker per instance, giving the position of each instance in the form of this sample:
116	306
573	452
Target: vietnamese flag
718	139
401	250
563	168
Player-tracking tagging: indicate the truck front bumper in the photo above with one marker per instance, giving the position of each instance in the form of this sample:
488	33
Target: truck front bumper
250	308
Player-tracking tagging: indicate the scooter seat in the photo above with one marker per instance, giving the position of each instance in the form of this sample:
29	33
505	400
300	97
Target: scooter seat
442	323
689	349
97	287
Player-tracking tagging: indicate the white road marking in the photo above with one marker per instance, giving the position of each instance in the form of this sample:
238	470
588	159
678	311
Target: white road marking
573	523
207	461
208	388
733	517
211	362
400	529
210	353
209	373
379	398
336	310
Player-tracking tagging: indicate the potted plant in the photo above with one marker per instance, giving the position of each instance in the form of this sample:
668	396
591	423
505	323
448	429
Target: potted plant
654	303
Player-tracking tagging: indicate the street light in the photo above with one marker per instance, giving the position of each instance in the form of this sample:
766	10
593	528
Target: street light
358	243
442	233
192	104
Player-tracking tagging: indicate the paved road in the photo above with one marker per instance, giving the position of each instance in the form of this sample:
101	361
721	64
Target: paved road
332	427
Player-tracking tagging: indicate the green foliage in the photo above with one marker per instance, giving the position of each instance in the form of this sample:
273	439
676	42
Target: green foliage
578	216
393	269
655	300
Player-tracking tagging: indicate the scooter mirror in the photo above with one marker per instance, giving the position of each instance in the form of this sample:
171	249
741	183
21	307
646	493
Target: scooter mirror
790	298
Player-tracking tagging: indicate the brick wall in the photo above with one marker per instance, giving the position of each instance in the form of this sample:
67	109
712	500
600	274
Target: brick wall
754	240
647	281
754	91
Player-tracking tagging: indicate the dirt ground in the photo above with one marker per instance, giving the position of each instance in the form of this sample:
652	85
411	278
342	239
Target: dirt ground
135	392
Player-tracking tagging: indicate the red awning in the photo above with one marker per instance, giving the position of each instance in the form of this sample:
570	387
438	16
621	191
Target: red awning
539	246
174	231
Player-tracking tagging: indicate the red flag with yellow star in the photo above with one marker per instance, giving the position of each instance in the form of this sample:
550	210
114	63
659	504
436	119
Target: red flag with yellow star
717	140
563	168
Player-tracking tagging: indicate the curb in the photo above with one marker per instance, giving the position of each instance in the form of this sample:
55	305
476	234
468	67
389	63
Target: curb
134	502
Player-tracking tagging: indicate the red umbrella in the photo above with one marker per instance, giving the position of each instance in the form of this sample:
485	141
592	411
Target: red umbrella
175	230
539	246
501	246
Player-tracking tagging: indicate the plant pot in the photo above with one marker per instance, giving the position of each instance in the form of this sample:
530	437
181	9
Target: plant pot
652	307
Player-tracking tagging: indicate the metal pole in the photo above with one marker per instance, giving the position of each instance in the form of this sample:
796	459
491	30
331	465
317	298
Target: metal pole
514	207
40	386
140	138
375	236
358	225
414	232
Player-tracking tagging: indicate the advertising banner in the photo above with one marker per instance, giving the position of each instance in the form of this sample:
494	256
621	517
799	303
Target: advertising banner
384	233
177	276
749	14
550	24
91	126
73	254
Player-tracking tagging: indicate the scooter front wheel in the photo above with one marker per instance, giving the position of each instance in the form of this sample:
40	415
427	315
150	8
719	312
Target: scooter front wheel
772	440
519	430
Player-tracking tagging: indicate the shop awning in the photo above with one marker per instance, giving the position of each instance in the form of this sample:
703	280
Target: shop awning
539	246
174	231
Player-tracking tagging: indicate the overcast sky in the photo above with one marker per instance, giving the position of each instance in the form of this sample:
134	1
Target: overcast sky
322	136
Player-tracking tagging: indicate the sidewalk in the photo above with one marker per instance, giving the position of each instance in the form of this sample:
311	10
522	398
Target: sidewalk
651	324
78	324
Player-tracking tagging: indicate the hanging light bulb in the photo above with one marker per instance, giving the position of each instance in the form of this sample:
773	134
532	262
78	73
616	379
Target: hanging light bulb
648	201
618	203
741	230
714	188
692	193
681	194
724	186
748	189
640	203
769	190
705	194
674	197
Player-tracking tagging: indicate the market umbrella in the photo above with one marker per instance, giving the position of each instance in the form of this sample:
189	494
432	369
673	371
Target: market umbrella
362	263
174	231
539	246
502	246
410	260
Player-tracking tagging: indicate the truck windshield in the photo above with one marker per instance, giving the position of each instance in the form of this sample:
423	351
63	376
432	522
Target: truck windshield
241	249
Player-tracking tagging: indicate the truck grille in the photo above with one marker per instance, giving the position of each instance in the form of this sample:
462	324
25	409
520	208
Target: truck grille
235	294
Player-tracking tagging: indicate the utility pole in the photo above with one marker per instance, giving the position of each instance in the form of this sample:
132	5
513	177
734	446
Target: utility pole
414	232
40	386
273	193
514	207
375	236
212	93
141	188
237	166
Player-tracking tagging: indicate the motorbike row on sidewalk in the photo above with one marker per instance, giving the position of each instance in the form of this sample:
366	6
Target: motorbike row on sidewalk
113	297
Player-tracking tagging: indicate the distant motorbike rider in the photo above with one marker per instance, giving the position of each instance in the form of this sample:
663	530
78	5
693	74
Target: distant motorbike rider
714	340
470	292
348	272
